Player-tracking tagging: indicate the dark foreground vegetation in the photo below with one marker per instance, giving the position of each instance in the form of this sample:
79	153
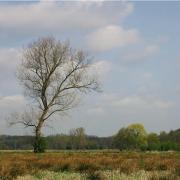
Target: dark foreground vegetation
90	163
134	137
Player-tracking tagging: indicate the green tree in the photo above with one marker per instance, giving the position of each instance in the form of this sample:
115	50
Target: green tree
163	136
132	137
139	135
123	139
153	141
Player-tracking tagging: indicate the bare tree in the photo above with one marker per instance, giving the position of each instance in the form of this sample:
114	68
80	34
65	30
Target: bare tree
54	76
78	138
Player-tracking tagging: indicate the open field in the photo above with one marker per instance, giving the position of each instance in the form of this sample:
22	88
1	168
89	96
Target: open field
90	165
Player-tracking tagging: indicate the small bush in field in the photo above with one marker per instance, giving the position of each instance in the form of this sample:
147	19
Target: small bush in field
95	175
177	172
86	167
40	145
63	167
162	167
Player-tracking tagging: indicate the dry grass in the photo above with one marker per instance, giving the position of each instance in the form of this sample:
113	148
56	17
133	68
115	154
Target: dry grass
24	163
102	175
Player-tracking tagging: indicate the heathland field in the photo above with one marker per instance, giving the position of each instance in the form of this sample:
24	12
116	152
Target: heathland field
77	165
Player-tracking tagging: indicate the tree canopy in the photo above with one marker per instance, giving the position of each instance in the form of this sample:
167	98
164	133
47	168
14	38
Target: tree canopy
54	76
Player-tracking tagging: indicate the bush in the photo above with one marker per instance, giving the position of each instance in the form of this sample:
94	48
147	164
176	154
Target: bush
40	145
87	167
95	176
165	146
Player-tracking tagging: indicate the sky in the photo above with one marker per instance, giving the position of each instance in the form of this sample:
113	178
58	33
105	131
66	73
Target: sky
135	46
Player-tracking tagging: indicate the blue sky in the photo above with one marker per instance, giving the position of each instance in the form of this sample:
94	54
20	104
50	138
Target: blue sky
135	48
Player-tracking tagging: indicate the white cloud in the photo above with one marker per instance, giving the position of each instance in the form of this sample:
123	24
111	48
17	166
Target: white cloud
9	58
135	102
12	99
101	68
147	76
111	36
178	88
147	52
162	39
12	103
151	49
51	17
163	104
9	105
141	102
97	111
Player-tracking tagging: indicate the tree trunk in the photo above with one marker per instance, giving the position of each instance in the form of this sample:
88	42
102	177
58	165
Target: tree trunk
38	143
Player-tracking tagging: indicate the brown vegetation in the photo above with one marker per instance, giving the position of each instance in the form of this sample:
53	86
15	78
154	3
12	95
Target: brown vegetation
15	164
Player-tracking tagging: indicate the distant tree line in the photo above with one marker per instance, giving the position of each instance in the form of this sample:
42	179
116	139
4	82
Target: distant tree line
133	137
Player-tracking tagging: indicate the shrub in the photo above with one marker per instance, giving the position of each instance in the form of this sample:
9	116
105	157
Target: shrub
86	167
95	175
40	145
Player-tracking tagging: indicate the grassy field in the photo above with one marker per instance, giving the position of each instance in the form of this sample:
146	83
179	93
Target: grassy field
67	165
